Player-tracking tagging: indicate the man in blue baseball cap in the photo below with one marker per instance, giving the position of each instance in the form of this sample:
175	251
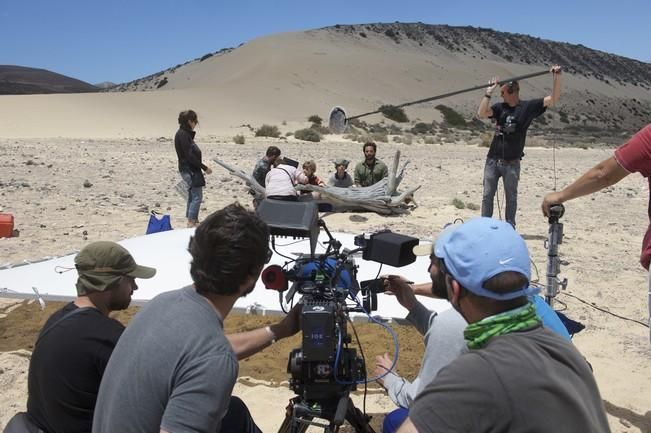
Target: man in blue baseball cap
517	376
443	331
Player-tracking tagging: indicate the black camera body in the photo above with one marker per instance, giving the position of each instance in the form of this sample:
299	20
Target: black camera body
322	368
325	369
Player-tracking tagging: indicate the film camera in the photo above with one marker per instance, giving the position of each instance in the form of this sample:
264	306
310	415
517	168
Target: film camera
325	369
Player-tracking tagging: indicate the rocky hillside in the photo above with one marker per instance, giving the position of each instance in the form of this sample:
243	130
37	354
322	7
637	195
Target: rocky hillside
365	66
488	44
20	80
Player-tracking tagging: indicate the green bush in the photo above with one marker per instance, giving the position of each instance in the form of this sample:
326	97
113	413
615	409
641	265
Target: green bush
394	113
239	139
451	117
472	206
308	134
422	128
315	119
323	130
268	131
429	140
458	204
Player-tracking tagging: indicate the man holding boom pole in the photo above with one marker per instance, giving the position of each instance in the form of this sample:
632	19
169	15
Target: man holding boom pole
512	119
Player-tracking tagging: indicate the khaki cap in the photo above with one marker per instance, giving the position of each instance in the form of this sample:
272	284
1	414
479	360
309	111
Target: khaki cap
101	264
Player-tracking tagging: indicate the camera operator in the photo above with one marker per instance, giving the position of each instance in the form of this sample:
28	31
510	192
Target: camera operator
442	332
516	376
513	117
174	369
634	156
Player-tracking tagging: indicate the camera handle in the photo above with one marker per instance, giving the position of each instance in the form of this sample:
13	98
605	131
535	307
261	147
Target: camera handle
554	239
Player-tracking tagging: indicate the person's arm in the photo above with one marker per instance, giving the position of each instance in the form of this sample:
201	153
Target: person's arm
301	177
485	111
385	170
191	157
556	87
407	427
400	390
602	175
248	343
358	175
423	289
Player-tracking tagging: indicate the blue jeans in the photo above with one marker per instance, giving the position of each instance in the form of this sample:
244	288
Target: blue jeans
195	195
510	174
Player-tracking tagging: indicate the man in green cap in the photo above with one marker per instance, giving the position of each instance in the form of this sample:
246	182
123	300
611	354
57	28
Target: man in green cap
76	342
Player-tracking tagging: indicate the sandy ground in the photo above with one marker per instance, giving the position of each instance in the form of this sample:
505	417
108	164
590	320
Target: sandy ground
42	184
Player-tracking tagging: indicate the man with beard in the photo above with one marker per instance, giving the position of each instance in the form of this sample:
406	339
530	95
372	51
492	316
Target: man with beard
174	368
76	342
371	170
442	332
516	376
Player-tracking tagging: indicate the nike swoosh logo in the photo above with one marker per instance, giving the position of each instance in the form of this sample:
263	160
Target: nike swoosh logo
503	262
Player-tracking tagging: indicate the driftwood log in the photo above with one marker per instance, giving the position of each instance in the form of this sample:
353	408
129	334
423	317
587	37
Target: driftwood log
382	197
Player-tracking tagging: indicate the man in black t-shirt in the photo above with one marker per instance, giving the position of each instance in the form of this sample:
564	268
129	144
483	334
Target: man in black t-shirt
76	342
512	119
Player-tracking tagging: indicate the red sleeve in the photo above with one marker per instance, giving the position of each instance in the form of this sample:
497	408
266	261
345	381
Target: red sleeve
635	154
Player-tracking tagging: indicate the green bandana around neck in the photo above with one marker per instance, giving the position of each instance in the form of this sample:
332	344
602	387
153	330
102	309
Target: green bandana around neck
478	334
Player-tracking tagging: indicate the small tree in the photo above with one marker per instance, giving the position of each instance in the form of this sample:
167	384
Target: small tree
239	139
315	119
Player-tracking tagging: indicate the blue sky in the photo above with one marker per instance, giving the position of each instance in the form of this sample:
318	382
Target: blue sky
121	40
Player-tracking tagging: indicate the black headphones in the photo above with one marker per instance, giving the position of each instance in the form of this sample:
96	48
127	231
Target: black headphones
512	87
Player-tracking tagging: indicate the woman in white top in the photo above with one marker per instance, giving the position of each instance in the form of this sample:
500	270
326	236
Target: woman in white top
281	179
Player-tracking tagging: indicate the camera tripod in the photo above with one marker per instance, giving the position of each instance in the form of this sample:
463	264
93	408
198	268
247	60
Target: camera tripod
299	415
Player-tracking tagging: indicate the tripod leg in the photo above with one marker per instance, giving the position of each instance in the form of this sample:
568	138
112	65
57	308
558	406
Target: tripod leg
290	425
358	420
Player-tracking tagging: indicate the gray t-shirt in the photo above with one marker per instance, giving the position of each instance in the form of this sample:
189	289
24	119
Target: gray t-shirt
443	344
523	382
173	369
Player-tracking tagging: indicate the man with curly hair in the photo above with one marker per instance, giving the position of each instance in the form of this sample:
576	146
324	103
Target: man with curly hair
174	368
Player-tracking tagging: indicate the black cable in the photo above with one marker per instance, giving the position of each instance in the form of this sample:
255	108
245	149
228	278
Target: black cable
361	351
378	272
562	303
606	311
536	269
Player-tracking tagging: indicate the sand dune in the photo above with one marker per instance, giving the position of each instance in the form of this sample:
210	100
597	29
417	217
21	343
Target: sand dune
290	76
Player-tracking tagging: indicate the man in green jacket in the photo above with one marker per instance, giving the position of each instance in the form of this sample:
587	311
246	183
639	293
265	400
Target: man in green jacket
371	170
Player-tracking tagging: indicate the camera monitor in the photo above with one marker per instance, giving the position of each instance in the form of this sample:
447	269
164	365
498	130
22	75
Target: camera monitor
291	218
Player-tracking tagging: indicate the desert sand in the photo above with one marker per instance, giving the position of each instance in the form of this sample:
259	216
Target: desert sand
42	184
